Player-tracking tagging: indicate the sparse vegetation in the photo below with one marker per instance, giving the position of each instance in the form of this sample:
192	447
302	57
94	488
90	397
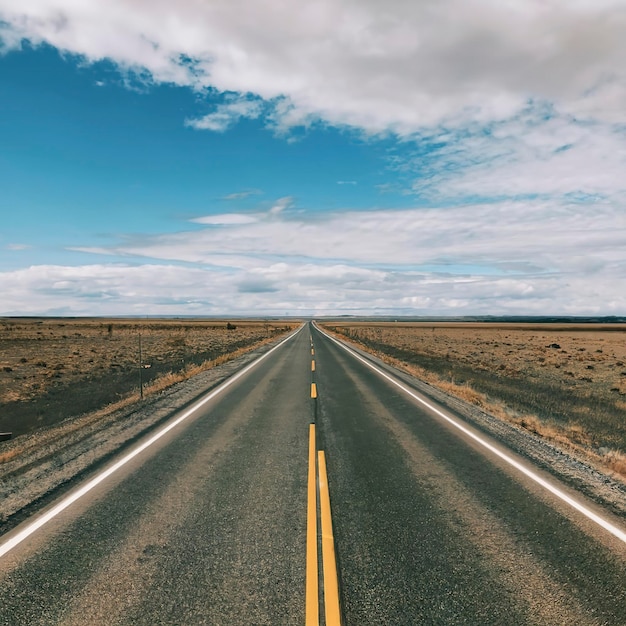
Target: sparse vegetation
51	369
561	382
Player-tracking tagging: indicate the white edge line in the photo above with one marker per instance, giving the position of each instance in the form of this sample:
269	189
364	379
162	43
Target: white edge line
581	508
94	482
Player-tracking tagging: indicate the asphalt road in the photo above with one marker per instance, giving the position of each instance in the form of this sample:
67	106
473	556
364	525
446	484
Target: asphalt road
209	524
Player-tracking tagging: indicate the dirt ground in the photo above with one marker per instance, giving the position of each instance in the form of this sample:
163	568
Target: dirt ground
564	381
51	369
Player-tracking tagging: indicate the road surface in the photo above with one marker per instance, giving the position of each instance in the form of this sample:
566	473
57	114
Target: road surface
234	517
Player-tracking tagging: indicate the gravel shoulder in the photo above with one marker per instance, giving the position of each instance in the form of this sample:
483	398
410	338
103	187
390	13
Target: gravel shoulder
573	469
51	460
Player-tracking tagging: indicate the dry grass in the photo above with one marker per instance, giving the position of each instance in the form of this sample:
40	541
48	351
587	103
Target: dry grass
564	383
8	455
51	369
615	461
158	385
37	354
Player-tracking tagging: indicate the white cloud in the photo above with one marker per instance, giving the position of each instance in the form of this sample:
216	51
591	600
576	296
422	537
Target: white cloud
228	114
411	68
281	205
226	219
237	219
104	289
550	236
305	288
242	195
18	246
513	257
379	66
518	99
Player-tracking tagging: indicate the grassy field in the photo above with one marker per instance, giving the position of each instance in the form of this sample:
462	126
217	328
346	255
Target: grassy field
565	382
51	369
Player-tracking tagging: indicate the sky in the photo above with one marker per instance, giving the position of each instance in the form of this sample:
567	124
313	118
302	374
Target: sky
336	157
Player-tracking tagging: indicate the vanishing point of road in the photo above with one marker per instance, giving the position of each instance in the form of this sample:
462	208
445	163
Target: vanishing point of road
316	488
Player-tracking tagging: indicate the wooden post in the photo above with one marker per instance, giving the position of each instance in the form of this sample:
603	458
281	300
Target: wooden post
140	369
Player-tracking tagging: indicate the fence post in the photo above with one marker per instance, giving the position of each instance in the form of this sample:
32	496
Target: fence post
140	369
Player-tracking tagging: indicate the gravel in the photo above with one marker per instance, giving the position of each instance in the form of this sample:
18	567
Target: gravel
571	468
52	460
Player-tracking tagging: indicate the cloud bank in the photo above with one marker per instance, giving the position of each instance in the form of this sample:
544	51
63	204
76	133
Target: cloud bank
485	259
393	66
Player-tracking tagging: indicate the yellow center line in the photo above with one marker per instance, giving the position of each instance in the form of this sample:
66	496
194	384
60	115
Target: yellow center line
329	565
312	366
312	351
312	595
313	390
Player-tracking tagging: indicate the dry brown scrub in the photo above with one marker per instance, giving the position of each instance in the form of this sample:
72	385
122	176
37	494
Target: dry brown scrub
564	382
51	369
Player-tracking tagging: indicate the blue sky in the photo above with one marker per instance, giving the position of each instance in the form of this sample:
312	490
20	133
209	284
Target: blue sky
325	158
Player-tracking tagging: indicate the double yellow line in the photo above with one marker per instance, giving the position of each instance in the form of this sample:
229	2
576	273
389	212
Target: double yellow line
318	481
329	563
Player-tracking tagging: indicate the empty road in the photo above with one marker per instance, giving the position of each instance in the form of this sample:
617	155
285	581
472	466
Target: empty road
313	489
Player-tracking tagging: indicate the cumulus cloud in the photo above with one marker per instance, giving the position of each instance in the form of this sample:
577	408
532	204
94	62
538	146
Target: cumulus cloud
300	288
535	89
105	289
394	66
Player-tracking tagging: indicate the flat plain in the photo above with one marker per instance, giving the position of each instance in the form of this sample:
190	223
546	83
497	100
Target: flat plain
565	382
55	368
